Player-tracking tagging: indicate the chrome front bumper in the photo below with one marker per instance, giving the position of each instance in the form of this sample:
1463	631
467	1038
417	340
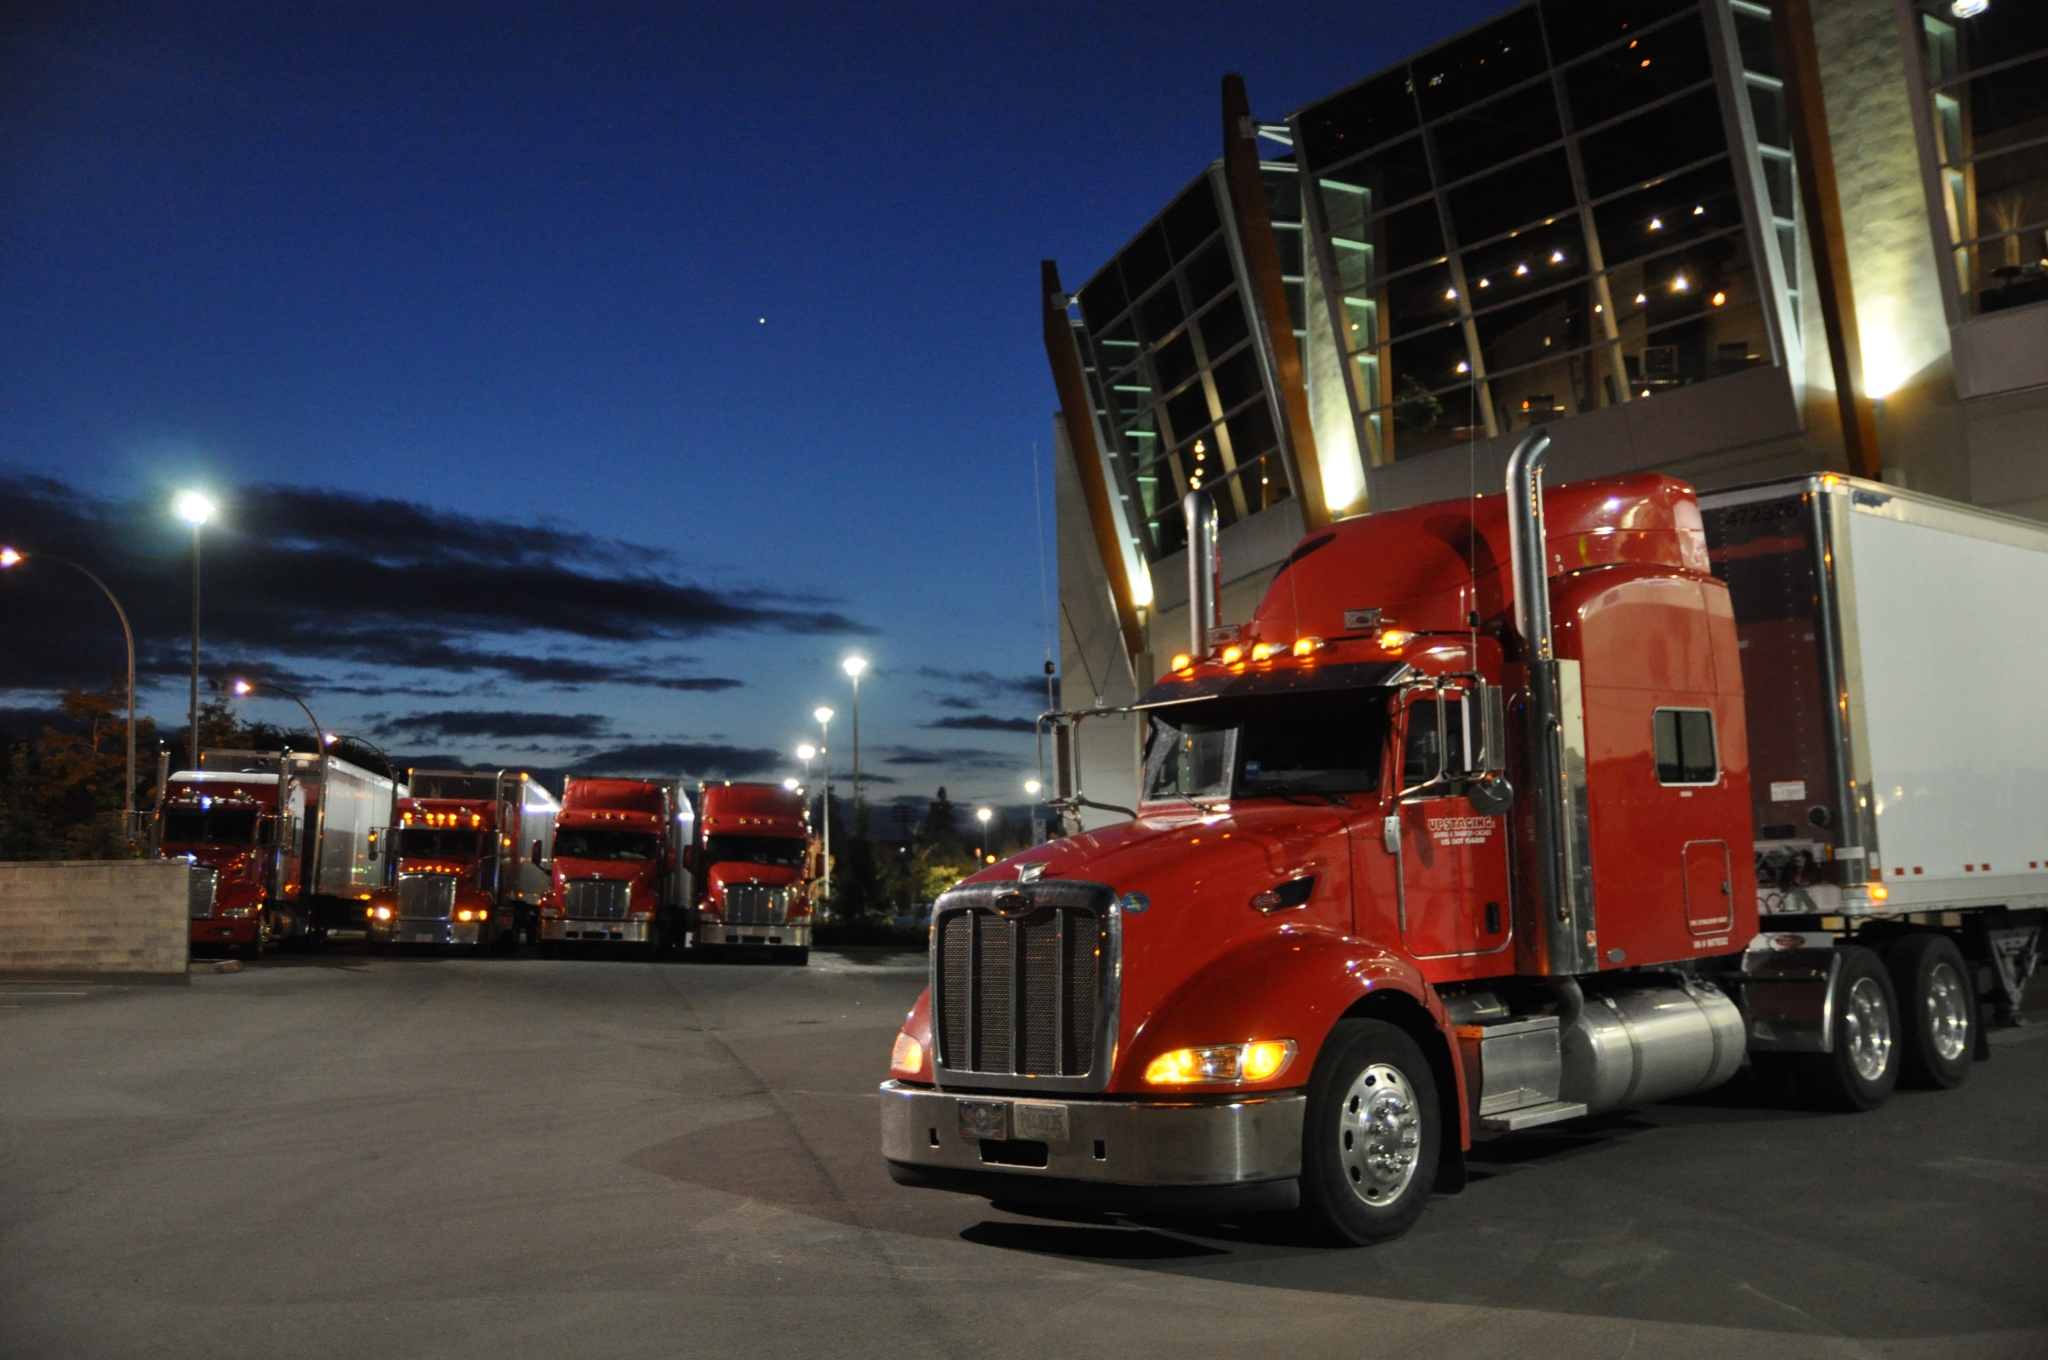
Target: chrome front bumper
790	937
428	931
1184	1145
628	932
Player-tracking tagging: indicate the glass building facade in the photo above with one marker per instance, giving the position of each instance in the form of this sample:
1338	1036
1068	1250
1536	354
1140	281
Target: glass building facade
1553	214
1986	82
1176	365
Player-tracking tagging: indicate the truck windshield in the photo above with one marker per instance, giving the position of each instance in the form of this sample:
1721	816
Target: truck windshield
785	852
211	826
1328	742
595	843
425	842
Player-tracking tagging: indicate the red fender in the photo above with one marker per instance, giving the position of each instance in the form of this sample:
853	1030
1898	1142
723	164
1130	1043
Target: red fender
918	1025
1294	984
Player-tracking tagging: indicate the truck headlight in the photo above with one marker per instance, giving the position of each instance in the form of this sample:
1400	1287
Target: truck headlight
239	913
382	913
1259	1060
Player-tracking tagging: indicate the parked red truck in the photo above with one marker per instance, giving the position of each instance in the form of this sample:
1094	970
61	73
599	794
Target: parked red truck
470	860
619	875
283	847
755	862
1461	835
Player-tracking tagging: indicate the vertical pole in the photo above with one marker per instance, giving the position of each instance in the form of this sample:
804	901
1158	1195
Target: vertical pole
856	752
192	742
825	803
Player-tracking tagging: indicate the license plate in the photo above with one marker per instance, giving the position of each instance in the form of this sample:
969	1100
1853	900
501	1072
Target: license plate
1040	1121
984	1119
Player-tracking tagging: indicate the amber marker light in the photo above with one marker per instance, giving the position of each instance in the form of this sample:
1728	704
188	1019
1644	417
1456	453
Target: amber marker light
1232	655
1307	646
1259	1060
1261	651
907	1056
1878	891
1394	639
1183	662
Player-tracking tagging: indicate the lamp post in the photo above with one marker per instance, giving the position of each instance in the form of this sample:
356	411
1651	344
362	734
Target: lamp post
1031	787
195	510
982	815
332	738
11	558
320	739
853	666
824	717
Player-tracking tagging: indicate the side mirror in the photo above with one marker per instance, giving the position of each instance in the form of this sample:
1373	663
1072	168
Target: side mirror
1063	759
1490	795
373	844
1490	751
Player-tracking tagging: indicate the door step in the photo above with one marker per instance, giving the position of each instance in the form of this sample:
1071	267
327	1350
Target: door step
1532	1116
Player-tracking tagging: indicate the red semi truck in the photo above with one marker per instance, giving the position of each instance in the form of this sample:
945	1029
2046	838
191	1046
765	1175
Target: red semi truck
619	874
469	861
1462	835
755	860
283	847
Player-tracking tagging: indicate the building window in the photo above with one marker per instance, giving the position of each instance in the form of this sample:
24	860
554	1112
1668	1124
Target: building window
1166	334
1987	82
1536	220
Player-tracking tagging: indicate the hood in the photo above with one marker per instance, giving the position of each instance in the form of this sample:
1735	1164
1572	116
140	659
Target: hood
229	861
776	876
1197	876
633	870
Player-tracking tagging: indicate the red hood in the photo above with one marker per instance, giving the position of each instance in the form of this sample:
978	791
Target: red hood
229	861
774	875
630	870
1199	874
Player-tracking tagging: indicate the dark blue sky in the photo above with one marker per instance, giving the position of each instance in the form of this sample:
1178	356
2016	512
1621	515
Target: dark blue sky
752	287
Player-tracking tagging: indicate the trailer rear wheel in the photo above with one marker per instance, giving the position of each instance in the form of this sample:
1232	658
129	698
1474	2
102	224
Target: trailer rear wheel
1938	1010
1864	1067
1370	1136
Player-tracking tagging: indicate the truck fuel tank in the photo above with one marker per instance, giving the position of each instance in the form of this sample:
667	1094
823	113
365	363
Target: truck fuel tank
1637	1044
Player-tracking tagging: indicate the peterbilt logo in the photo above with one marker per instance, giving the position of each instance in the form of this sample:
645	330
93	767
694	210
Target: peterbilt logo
1012	903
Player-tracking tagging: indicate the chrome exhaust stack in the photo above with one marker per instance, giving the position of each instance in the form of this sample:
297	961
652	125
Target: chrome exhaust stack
1205	572
1564	928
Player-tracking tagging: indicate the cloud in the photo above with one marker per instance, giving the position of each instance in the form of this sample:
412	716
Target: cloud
988	683
984	722
317	579
681	759
459	723
954	758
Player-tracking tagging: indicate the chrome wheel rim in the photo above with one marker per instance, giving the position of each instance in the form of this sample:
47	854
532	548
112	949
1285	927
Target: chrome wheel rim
1869	1024
1948	1013
1379	1135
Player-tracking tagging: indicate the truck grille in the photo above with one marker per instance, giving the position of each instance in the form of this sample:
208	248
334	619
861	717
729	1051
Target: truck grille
596	899
199	890
755	904
426	897
1023	980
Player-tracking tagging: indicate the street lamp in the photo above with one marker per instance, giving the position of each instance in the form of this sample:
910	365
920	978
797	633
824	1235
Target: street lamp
332	738
320	738
853	666
982	815
791	785
195	510
9	557
806	753
824	717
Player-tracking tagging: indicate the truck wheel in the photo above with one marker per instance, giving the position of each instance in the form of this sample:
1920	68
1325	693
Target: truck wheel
1863	1069
1938	1010
1370	1136
258	940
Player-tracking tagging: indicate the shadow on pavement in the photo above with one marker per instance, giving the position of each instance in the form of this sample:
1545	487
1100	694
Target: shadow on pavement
1087	1243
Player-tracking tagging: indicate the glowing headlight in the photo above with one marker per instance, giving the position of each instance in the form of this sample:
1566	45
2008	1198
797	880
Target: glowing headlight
240	913
383	913
907	1056
1260	1060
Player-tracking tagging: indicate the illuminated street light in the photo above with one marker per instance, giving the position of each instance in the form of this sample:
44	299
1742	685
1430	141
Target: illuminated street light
853	666
195	510
982	815
1032	786
248	687
790	784
11	557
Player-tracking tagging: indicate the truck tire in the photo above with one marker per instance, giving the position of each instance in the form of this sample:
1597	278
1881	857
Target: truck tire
258	941
1863	1069
1370	1135
1937	1010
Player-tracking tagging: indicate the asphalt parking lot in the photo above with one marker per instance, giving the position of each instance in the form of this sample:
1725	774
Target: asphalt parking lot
340	1155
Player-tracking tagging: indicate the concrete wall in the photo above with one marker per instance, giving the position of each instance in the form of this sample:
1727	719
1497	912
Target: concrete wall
74	918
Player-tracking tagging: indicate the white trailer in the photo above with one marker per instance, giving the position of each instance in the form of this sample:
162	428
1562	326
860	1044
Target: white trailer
1895	659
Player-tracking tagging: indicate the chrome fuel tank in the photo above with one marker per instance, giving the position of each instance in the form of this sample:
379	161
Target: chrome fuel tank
1634	1045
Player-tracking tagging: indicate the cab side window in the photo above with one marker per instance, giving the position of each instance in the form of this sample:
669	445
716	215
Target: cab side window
1684	739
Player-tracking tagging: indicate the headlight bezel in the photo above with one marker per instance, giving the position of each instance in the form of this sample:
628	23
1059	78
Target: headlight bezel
1250	1062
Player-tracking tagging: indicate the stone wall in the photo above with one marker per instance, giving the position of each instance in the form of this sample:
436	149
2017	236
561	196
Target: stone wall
93	917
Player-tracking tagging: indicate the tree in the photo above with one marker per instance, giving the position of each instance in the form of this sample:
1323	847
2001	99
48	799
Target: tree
942	820
82	774
23	832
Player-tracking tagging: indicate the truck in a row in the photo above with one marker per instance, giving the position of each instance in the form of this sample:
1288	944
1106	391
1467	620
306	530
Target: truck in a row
291	848
1500	813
